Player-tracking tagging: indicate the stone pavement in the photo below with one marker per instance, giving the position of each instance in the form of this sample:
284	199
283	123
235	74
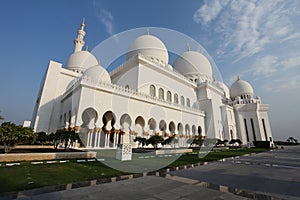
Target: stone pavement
144	188
276	173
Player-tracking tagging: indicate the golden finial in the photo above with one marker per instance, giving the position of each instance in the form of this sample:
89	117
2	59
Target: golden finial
188	47
82	23
86	48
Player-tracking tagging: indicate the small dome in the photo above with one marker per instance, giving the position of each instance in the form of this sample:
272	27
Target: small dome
97	73
150	46
193	63
223	87
241	87
81	60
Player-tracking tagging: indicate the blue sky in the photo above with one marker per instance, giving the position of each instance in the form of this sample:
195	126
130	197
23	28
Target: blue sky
259	40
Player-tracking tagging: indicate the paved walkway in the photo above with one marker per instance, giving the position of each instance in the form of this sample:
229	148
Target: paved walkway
276	173
144	188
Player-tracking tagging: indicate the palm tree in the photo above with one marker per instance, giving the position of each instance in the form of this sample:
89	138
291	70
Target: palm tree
141	141
168	140
154	140
198	141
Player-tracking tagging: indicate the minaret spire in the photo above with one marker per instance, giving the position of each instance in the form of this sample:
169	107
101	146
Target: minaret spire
79	42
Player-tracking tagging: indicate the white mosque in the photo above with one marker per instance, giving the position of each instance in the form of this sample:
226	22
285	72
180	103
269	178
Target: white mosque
145	96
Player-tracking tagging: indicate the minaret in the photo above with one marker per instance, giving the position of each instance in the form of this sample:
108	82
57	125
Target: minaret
79	42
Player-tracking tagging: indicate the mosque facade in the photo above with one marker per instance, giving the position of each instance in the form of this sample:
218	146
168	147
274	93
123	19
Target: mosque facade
145	96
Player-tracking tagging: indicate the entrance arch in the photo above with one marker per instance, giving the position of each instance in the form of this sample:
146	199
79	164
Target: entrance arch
163	127
194	130
107	136
187	130
89	118
180	128
172	127
139	125
152	125
125	122
199	131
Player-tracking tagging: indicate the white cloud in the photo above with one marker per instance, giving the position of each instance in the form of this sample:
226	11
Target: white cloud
291	62
294	36
209	11
283	84
274	74
262	67
106	18
265	66
245	28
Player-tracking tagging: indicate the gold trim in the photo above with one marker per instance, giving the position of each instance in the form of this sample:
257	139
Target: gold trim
146	134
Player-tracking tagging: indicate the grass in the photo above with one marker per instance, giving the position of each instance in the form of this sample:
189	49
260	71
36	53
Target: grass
213	156
16	178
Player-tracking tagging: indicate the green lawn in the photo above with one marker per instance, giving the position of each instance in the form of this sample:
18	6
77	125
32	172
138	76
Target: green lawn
213	156
16	178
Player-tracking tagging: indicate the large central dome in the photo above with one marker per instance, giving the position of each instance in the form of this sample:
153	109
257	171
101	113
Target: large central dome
193	63
150	46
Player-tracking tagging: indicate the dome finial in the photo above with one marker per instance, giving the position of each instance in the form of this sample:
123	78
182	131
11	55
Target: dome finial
148	31
238	77
87	48
188	46
82	23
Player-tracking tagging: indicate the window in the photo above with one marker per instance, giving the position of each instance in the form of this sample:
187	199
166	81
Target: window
265	131
199	130
69	117
161	93
182	100
246	128
152	91
176	98
127	87
188	103
253	129
169	96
